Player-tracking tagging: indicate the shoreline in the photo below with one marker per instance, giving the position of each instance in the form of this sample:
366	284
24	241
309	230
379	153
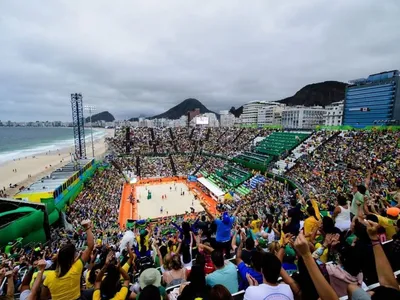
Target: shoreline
40	147
32	168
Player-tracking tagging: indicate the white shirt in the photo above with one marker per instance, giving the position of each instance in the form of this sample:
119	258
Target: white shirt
267	292
342	220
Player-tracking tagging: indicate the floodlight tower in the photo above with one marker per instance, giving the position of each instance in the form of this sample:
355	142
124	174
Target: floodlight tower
90	109
78	125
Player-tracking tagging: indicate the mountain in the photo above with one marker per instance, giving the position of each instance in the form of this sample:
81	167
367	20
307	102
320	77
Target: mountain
181	109
236	112
103	116
322	93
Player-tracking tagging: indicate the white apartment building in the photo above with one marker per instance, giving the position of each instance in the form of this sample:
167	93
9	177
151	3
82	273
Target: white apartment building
270	114
206	120
227	119
162	122
250	111
145	122
334	114
303	117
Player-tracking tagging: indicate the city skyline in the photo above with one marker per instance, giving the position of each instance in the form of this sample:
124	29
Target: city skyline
139	58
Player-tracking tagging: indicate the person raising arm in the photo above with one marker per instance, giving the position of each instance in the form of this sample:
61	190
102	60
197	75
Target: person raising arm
389	286
324	290
38	281
64	282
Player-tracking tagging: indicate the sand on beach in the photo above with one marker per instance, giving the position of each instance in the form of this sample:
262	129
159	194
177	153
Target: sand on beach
174	204
32	168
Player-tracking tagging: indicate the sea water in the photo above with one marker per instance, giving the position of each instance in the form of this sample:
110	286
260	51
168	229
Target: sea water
19	142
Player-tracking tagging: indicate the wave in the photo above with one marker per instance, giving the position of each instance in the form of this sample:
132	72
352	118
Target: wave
51	146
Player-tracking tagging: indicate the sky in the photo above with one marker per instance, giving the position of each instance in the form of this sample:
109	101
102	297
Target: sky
143	57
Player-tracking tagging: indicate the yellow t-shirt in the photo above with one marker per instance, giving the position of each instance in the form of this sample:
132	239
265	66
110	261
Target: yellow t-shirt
121	295
389	225
324	256
67	287
34	278
125	267
314	204
255	226
88	284
309	226
146	241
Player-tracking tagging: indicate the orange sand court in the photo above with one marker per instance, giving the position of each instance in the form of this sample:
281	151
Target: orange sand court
174	202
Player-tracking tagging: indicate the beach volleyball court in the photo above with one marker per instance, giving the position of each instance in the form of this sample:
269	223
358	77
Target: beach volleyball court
173	204
179	200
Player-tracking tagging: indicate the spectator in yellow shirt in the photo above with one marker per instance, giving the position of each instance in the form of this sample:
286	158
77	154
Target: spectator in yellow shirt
64	282
311	224
389	222
106	287
255	225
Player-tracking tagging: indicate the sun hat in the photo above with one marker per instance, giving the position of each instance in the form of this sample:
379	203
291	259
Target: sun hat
150	277
393	212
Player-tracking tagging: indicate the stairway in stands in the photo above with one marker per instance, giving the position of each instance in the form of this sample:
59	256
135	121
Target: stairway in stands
208	134
191	133
153	139
172	164
239	134
173	140
199	167
222	134
138	165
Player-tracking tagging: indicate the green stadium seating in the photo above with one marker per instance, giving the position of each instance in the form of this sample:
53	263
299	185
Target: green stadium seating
278	143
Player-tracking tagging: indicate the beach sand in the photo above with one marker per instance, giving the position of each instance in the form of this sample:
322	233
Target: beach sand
32	168
174	204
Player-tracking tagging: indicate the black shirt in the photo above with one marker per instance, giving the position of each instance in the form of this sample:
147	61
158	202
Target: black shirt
191	292
295	214
246	256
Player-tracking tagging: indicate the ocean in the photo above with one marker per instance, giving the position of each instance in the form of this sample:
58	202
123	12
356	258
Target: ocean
16	142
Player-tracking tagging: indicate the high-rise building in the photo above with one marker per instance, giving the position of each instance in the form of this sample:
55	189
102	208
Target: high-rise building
373	101
271	114
251	109
191	114
227	119
205	120
303	117
334	114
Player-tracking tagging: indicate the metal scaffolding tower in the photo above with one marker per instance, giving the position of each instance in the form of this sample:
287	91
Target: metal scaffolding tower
78	124
91	108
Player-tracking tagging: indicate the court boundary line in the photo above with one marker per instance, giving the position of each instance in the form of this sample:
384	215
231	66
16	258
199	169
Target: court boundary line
129	189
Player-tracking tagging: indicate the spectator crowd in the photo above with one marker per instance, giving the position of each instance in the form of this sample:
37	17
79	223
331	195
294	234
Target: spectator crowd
340	238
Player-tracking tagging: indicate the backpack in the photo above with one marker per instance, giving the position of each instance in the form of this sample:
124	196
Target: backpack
144	263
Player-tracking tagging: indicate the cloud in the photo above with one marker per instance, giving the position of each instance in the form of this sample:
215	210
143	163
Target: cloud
142	57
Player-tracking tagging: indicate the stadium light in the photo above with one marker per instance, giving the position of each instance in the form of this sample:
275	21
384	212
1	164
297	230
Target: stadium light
90	109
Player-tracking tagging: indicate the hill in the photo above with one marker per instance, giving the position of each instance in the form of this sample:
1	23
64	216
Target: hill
322	93
236	112
103	116
181	109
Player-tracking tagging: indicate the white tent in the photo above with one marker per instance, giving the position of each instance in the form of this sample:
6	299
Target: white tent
211	187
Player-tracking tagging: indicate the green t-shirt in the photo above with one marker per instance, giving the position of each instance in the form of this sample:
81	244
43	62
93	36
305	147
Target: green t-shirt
357	197
157	262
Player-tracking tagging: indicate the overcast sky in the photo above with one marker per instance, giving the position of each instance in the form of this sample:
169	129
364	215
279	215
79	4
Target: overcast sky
143	57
